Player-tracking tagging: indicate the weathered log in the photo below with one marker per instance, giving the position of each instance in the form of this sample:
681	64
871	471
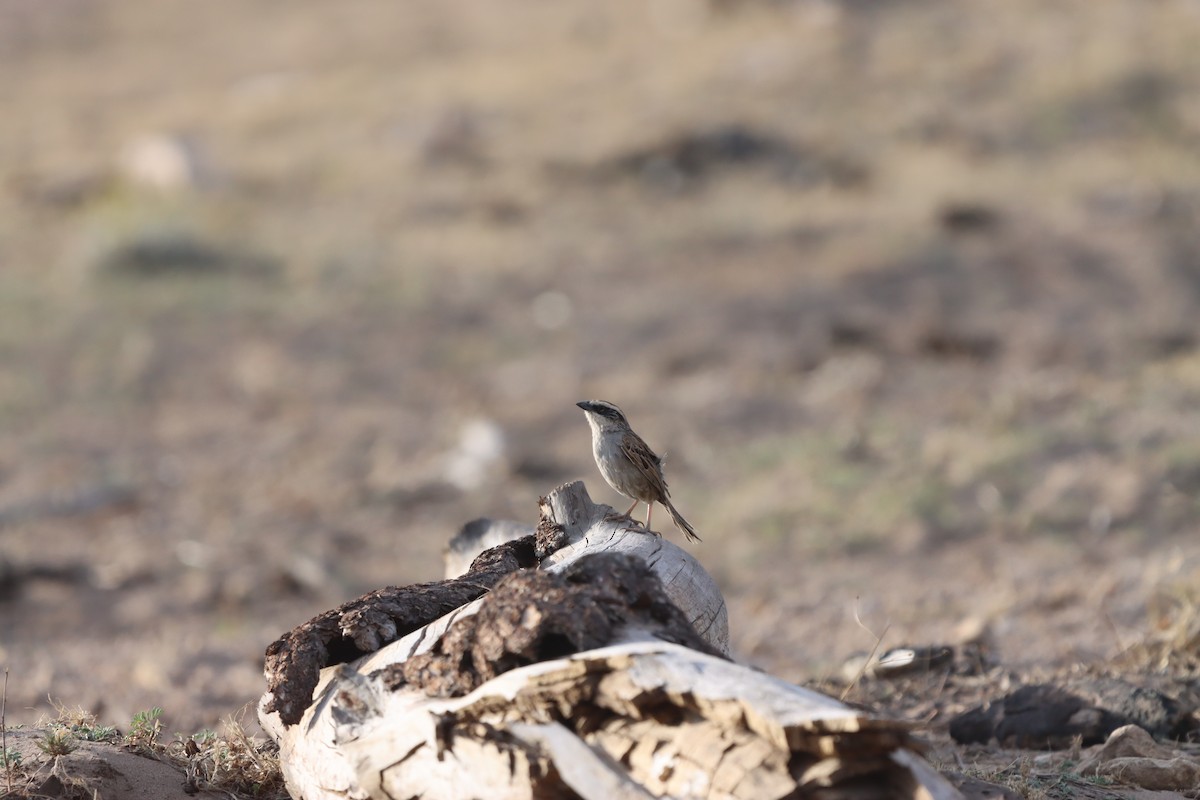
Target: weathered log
653	719
602	674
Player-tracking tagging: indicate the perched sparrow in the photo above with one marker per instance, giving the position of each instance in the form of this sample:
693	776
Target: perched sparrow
628	463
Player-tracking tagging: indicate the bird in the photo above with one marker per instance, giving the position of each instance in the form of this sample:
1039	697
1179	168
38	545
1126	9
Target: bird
628	464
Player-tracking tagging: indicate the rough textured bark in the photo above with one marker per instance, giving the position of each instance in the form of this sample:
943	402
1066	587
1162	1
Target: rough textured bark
294	661
535	616
599	675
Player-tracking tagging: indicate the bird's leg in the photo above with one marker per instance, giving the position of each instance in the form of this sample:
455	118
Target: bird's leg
628	515
649	509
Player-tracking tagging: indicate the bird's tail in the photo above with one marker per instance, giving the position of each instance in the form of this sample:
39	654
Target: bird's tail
680	522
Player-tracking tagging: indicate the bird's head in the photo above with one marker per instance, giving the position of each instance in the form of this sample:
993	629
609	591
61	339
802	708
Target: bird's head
603	414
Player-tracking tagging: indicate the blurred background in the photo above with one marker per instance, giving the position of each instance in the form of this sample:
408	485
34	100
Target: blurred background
289	291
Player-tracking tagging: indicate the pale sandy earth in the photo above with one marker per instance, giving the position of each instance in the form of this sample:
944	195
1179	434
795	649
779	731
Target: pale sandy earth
908	292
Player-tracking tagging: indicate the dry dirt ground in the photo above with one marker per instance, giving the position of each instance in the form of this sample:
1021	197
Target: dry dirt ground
908	291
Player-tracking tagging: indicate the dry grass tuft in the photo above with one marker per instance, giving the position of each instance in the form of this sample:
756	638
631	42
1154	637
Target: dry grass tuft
1172	644
235	762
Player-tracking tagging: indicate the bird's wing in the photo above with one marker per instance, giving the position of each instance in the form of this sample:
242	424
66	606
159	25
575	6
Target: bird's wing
642	457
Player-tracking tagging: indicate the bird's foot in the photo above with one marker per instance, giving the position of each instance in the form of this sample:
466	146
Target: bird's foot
634	524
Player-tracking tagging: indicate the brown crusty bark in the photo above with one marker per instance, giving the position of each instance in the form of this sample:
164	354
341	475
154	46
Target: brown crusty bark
294	662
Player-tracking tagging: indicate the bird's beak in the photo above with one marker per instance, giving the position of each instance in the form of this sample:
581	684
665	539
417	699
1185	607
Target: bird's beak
585	405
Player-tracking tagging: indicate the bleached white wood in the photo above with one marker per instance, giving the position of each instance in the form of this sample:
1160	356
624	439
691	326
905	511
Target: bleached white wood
505	731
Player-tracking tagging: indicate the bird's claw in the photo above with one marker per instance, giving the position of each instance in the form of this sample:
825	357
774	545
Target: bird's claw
637	525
